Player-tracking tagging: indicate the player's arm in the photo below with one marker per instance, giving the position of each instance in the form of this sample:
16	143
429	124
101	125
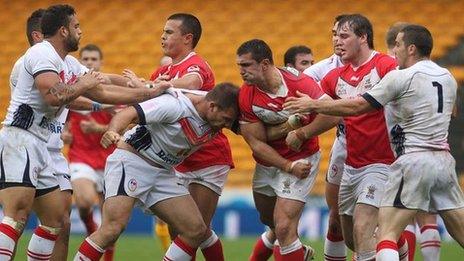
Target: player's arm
255	135
342	107
118	124
56	93
278	131
188	81
112	94
116	79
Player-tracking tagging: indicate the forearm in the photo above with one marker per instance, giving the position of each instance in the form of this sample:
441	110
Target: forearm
191	82
117	79
111	94
341	107
81	104
275	132
319	125
269	155
61	94
119	122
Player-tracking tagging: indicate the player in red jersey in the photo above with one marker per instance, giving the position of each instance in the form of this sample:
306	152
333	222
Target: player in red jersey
283	178
86	157
369	154
205	171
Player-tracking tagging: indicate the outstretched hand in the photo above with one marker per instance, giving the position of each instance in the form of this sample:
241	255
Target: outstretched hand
109	138
302	103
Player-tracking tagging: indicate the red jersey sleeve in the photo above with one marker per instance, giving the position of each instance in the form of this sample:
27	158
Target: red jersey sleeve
310	87
329	83
245	102
386	64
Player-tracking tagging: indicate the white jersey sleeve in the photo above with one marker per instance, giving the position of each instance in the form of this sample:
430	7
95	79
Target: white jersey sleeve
389	88
15	72
161	109
36	61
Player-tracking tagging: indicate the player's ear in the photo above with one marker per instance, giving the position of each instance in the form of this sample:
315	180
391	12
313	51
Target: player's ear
188	39
63	31
412	50
265	63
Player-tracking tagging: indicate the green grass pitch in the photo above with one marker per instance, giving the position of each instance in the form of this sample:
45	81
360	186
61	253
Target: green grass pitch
132	247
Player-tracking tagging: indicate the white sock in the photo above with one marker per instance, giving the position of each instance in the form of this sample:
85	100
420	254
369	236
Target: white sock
8	238
179	251
387	254
430	243
210	241
266	241
334	250
291	248
366	256
41	245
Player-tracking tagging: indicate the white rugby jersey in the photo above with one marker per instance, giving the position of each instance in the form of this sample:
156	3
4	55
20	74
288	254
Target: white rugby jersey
321	68
318	71
169	129
420	102
56	125
27	109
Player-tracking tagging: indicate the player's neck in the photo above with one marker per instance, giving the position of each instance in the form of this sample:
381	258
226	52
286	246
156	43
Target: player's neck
272	82
59	46
363	56
199	104
181	56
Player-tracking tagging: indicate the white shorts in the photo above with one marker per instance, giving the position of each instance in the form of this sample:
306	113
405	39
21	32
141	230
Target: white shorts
337	161
271	181
24	160
60	169
364	185
129	175
425	181
213	177
80	170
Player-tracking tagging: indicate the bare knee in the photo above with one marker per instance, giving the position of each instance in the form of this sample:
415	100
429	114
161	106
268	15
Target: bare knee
196	232
112	230
284	228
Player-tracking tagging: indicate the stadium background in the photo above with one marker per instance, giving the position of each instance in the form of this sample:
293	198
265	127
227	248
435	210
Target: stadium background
129	31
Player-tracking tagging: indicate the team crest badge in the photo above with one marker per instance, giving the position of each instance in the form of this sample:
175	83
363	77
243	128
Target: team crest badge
371	191
334	172
286	188
132	185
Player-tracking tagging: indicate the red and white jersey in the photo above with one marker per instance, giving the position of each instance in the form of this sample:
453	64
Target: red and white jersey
217	151
257	105
366	135
86	148
319	70
418	102
169	130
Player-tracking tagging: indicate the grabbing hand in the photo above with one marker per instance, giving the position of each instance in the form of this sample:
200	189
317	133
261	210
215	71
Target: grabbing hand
91	79
300	104
91	126
294	141
109	138
300	169
133	80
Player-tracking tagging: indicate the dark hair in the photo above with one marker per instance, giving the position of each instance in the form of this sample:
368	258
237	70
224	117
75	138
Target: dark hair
392	32
419	36
258	48
292	52
360	26
339	17
55	17
91	47
225	96
190	25
33	24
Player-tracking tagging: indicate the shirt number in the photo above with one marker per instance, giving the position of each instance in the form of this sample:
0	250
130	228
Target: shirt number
440	95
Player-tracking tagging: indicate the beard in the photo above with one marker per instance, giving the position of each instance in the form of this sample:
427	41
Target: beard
71	44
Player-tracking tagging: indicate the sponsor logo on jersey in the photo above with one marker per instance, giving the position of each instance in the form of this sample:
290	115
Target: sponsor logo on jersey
168	158
193	68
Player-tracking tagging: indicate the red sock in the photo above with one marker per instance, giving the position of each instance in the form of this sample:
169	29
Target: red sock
403	248
296	255
89	251
90	225
214	252
260	251
411	239
109	253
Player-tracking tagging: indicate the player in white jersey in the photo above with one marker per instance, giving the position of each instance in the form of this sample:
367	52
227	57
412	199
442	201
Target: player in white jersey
334	244
46	82
418	101
141	170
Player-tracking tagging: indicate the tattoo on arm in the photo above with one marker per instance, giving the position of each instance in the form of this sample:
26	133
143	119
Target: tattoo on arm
63	93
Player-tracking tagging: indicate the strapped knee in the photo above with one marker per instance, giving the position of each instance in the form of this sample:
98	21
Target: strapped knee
52	230
18	226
